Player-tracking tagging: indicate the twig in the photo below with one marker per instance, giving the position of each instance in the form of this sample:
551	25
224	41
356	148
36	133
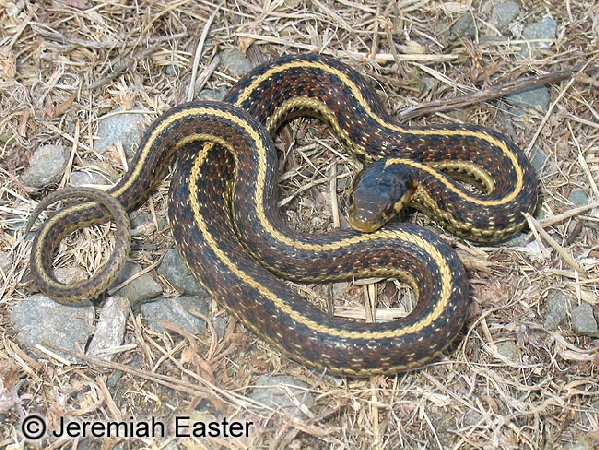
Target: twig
546	117
74	42
198	53
203	77
492	92
566	215
123	64
534	224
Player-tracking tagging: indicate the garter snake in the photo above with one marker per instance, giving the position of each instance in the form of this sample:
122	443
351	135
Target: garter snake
223	212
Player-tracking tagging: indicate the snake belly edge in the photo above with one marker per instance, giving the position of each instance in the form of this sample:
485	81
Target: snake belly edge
272	93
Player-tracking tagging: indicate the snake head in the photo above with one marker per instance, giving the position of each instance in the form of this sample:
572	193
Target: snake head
379	192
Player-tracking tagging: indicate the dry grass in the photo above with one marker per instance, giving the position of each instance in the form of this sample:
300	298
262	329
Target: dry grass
65	63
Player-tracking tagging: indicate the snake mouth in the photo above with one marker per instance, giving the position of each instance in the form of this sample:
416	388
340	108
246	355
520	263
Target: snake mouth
363	226
367	220
364	219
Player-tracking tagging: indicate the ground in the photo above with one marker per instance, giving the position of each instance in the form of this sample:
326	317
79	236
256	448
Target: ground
524	372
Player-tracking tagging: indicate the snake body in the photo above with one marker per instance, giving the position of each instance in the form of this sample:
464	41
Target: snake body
222	208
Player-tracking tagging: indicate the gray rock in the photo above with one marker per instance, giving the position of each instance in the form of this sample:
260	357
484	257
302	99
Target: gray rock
536	98
173	268
517	241
6	262
118	126
538	158
235	63
80	178
464	26
172	310
558	307
110	328
428	84
583	320
504	13
142	288
471	418
70	275
46	165
283	392
143	221
220	326
41	320
581	444
444	426
216	95
546	28
509	350
578	197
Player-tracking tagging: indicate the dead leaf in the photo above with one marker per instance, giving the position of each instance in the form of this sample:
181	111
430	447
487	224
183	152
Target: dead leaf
9	377
244	42
55	111
7	66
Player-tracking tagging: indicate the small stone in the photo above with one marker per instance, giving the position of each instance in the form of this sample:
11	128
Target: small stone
582	444
142	288
504	13
583	320
339	290
172	310
444	426
546	28
464	26
538	158
578	197
46	166
120	126
536	98
215	95
6	262
41	320
146	221
81	178
235	63
517	241
110	328
70	275
472	418
283	392
220	326
509	350
429	83
558	307
173	268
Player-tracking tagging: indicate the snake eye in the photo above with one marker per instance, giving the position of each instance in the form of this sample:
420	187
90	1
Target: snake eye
378	194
